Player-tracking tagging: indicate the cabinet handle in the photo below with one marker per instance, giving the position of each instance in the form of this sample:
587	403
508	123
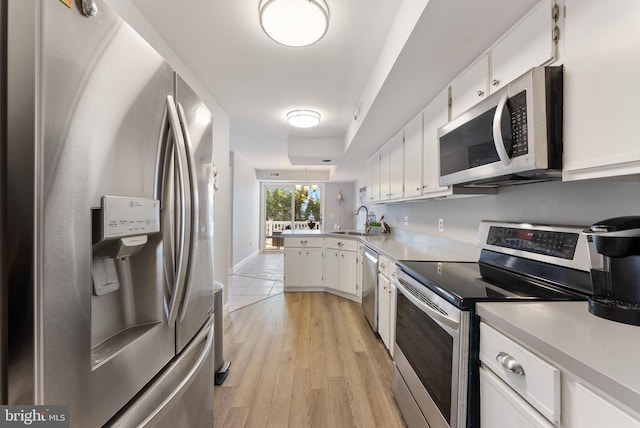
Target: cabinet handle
394	275
480	92
342	255
510	363
495	82
419	188
382	265
424	186
340	244
300	252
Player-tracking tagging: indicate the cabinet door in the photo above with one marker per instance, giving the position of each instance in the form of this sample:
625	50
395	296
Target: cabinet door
470	87
501	407
396	166
331	269
293	267
359	269
435	115
529	44
373	172
589	410
348	272
413	158
601	88
392	315
313	267
385	154
383	309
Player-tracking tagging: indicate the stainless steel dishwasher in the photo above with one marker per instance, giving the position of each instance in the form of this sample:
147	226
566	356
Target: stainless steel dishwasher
370	287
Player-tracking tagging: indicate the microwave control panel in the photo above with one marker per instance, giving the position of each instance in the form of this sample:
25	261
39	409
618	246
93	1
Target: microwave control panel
518	107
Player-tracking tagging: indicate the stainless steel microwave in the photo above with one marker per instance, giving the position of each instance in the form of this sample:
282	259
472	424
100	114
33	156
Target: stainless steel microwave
512	136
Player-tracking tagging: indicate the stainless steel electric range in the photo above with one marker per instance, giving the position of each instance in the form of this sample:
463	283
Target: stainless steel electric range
436	378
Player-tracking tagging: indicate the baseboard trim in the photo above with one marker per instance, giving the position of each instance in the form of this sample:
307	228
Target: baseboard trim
243	262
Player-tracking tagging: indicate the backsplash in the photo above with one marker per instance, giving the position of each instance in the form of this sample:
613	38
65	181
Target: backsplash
578	203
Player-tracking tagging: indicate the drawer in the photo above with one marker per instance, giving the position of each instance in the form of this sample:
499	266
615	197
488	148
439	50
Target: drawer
302	242
385	266
539	383
341	244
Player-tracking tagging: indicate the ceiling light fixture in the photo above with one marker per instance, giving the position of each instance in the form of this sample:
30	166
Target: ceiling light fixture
294	22
303	118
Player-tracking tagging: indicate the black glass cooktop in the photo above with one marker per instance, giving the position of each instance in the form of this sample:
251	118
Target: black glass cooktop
465	283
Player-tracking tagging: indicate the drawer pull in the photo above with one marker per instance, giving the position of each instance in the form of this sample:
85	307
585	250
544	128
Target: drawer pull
510	363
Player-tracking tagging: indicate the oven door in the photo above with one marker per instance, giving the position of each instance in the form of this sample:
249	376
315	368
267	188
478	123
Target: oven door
431	353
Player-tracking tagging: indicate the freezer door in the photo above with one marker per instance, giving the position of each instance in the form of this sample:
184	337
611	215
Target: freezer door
99	91
182	396
197	302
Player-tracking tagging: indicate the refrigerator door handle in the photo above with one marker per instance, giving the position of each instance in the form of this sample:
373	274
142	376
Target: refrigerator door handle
184	223
193	241
207	331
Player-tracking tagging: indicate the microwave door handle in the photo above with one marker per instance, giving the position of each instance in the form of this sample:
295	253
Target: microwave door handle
437	316
497	130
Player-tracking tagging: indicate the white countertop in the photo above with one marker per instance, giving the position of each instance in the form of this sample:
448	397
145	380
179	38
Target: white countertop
405	245
602	352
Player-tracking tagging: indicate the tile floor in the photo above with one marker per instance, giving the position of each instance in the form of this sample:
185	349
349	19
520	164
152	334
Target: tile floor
260	278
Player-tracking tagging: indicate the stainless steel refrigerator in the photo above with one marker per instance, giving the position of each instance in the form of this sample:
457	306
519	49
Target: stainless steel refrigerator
106	185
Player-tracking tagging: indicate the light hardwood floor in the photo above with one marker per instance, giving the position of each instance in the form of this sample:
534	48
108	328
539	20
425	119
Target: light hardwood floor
304	360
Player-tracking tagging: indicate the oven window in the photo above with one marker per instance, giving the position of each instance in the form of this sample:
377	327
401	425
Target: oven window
429	350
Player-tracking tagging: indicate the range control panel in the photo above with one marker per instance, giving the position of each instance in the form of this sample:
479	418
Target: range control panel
550	243
122	217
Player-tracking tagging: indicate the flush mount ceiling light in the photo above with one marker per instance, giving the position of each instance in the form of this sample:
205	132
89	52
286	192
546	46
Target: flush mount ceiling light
294	22
303	118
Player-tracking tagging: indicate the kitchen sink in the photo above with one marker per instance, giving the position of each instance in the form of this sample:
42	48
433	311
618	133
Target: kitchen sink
350	232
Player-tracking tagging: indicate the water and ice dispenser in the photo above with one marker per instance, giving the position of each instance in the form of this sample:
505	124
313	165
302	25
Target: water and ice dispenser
126	273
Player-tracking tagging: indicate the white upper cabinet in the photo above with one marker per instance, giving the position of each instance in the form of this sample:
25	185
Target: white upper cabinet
373	173
435	115
413	184
470	87
529	44
601	89
392	168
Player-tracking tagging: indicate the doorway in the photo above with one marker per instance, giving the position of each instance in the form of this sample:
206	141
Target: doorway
289	206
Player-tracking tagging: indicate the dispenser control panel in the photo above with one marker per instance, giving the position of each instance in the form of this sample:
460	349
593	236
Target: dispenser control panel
122	216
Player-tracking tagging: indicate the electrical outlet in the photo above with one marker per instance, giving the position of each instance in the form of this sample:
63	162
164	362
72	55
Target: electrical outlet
440	225
406	220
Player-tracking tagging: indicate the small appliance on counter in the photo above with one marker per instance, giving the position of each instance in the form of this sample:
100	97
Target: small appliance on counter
614	253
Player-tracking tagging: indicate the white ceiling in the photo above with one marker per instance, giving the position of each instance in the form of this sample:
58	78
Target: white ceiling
257	81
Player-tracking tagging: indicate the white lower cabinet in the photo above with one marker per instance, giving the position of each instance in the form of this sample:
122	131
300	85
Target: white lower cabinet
585	408
303	267
386	303
340	265
520	387
303	262
501	407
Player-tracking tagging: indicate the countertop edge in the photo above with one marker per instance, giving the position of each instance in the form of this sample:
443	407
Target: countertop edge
404	245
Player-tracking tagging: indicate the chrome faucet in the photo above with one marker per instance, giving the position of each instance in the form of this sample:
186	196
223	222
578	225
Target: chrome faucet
367	226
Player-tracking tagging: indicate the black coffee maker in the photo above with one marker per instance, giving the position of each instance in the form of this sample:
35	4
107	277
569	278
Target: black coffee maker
614	252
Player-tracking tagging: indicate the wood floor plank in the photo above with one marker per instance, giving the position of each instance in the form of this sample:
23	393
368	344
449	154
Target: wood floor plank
304	360
319	409
301	399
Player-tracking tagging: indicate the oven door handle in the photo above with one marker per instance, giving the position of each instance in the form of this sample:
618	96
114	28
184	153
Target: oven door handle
434	314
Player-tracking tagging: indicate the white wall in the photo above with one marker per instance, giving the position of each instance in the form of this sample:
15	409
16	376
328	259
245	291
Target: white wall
336	214
246	211
579	203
